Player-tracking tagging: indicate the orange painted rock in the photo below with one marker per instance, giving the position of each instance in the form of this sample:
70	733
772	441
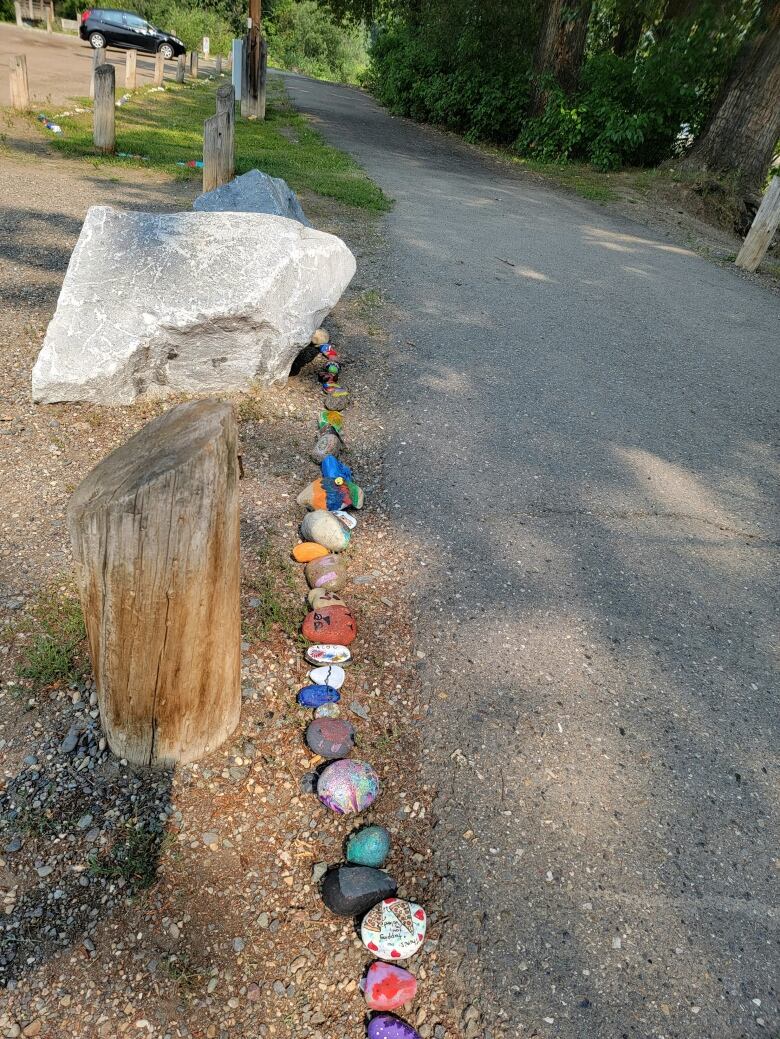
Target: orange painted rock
306	551
330	626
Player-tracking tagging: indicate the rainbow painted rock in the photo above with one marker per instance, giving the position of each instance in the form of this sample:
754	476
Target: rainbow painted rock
317	695
387	1026
331	494
330	626
328	655
368	846
394	930
348	787
338	398
333	419
387	987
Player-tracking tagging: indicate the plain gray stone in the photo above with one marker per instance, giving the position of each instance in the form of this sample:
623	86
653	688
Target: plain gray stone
253	192
156	304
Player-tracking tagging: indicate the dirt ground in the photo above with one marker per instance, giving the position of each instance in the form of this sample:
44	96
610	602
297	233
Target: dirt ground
231	939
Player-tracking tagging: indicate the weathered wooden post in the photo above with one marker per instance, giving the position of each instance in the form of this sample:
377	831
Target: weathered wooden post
49	18
131	78
104	115
18	13
218	65
159	69
30	10
263	78
762	230
98	59
216	146
181	69
155	533
226	105
20	89
194	64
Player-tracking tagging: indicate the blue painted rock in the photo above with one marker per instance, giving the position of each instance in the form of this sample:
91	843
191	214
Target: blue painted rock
330	737
388	1026
348	787
393	930
368	847
328	572
387	987
317	695
324	528
351	890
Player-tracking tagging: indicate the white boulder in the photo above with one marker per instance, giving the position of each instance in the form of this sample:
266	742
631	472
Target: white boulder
155	304
253	192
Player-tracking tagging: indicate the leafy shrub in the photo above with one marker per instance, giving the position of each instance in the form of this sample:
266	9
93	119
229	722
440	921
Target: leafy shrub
304	37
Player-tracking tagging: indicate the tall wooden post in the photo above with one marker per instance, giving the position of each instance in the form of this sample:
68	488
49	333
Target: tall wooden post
159	69
181	68
216	146
20	90
155	534
194	64
30	10
18	13
762	230
218	65
104	115
253	104
226	105
49	18
131	78
98	59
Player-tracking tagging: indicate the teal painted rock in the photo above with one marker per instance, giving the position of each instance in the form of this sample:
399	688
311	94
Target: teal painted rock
368	846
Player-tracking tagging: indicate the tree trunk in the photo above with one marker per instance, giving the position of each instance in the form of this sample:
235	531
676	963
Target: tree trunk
155	537
561	47
630	25
744	126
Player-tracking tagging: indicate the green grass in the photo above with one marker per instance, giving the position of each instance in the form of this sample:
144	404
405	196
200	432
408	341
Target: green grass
270	578
57	652
583	180
133	856
167	128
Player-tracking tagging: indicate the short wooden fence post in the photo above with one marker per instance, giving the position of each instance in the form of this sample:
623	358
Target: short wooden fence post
104	115
155	535
762	230
194	64
49	18
18	13
226	105
98	59
30	10
131	78
216	148
159	69
20	90
181	69
218	65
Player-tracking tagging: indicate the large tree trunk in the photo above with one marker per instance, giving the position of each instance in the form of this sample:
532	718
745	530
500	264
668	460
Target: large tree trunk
630	25
744	125
561	46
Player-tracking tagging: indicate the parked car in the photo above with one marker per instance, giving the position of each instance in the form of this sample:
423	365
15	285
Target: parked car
105	27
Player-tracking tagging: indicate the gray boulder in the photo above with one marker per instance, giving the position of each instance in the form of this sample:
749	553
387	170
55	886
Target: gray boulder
157	304
253	192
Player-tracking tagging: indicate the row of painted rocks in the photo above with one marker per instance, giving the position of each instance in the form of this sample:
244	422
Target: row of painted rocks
391	928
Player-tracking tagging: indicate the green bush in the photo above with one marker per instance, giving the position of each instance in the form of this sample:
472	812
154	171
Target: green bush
303	37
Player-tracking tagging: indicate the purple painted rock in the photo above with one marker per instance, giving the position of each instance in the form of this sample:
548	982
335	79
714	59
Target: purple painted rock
330	626
326	572
388	1026
348	787
387	987
330	737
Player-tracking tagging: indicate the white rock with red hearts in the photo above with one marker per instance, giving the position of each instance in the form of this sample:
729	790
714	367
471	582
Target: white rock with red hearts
394	929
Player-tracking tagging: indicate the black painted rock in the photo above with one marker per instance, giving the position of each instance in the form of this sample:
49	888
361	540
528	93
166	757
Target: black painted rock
353	890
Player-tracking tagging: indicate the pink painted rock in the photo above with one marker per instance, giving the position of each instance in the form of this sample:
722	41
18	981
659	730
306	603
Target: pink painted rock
388	987
330	626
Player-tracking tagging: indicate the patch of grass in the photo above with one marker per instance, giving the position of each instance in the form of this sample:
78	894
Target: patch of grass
134	857
182	972
270	578
577	177
167	128
58	651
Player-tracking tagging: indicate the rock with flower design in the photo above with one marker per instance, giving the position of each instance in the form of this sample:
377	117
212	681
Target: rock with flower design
387	987
394	929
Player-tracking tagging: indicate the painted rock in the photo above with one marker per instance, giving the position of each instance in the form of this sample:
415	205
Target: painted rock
307	551
327	444
322	597
325	529
327	572
328	655
328	710
332	468
387	1026
331	494
329	352
333	419
332	368
352	890
368	847
387	987
348	520
393	930
320	337
338	398
330	626
348	787
330	674
317	695
330	738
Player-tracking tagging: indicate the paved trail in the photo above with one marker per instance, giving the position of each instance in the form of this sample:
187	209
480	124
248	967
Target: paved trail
579	442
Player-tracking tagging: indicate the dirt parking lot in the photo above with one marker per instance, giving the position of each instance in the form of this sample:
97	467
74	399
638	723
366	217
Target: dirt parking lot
59	66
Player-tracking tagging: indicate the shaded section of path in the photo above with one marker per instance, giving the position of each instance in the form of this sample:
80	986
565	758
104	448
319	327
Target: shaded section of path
580	417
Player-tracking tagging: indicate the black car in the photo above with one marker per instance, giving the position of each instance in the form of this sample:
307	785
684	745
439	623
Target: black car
105	27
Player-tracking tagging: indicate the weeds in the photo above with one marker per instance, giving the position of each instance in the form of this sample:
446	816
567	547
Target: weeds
133	857
180	970
58	650
270	581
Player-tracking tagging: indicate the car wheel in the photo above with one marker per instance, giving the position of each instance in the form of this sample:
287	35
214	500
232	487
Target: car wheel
166	50
97	40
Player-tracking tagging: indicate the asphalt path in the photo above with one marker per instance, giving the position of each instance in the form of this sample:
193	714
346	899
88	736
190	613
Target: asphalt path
580	419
